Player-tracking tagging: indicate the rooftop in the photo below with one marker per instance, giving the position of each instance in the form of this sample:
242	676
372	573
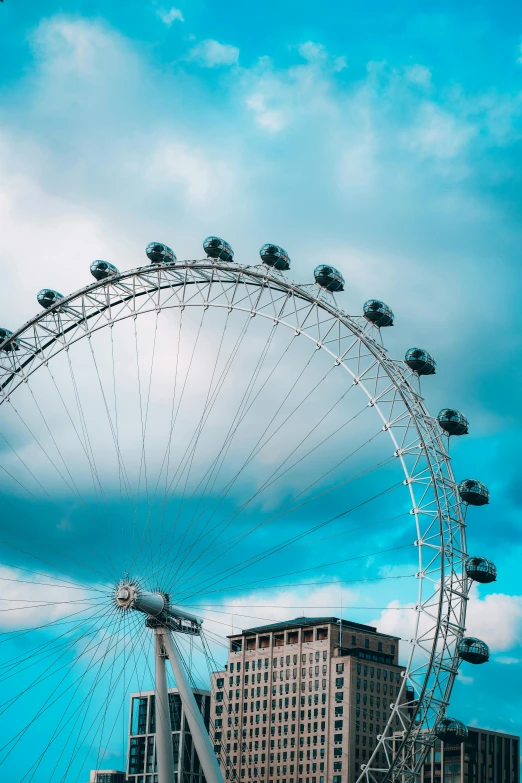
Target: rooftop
300	622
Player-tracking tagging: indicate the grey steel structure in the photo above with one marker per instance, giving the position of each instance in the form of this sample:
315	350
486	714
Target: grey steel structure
141	766
391	388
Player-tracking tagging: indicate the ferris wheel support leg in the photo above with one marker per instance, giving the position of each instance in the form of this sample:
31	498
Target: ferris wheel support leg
198	730
164	754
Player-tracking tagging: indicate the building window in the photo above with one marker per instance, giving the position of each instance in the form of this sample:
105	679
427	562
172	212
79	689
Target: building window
338	738
236	645
322	634
220	683
338	725
251	643
279	640
264	641
308	635
367	643
339	696
339	682
292	637
339	668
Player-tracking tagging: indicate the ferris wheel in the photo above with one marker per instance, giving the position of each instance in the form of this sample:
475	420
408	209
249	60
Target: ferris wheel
188	431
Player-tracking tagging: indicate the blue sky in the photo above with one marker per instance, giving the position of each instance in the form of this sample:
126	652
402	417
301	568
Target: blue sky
387	141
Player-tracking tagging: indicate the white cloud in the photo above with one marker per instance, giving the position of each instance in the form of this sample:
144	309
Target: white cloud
170	16
312	52
418	74
497	619
193	169
438	133
25	602
212	54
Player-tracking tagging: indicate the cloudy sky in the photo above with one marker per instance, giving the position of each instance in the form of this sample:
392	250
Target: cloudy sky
385	141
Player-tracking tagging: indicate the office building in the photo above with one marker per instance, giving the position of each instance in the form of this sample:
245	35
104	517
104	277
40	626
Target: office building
141	761
303	701
107	776
485	757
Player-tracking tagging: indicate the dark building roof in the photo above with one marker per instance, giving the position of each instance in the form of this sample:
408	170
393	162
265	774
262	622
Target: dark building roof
299	622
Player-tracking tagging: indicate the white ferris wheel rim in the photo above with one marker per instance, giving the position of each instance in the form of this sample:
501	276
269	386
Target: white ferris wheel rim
210	283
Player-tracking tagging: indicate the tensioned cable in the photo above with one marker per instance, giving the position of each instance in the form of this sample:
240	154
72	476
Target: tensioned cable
315	527
233	429
63	723
282	512
224	374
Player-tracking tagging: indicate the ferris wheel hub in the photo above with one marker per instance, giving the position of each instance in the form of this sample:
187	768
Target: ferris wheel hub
157	607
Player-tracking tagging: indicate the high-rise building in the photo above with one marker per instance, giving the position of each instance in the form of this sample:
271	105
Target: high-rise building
107	776
303	701
485	757
141	761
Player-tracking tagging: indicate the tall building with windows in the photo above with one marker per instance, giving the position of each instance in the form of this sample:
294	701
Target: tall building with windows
107	776
485	757
141	760
303	701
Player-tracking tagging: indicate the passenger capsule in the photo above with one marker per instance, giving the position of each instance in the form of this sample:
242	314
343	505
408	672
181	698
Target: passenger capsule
453	422
481	570
159	253
47	297
451	731
102	269
473	492
215	247
378	313
329	278
5	334
420	361
273	255
473	650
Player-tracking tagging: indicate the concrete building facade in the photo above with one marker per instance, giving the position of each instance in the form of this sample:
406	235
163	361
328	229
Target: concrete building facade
141	757
303	701
485	757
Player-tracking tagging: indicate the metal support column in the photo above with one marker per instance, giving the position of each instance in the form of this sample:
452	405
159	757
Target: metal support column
164	755
198	730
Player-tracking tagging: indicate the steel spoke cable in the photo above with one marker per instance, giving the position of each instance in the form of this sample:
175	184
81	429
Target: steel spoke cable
197	433
178	409
13	742
282	512
63	723
242	410
302	534
94	476
72	487
42	676
335	562
237	417
41	560
88	701
173	485
301	374
83	422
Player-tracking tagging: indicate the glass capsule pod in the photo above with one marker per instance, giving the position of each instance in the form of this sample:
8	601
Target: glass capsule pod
5	334
273	255
481	570
215	247
420	361
102	269
473	650
453	422
329	278
47	297
378	313
158	253
473	492
451	731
